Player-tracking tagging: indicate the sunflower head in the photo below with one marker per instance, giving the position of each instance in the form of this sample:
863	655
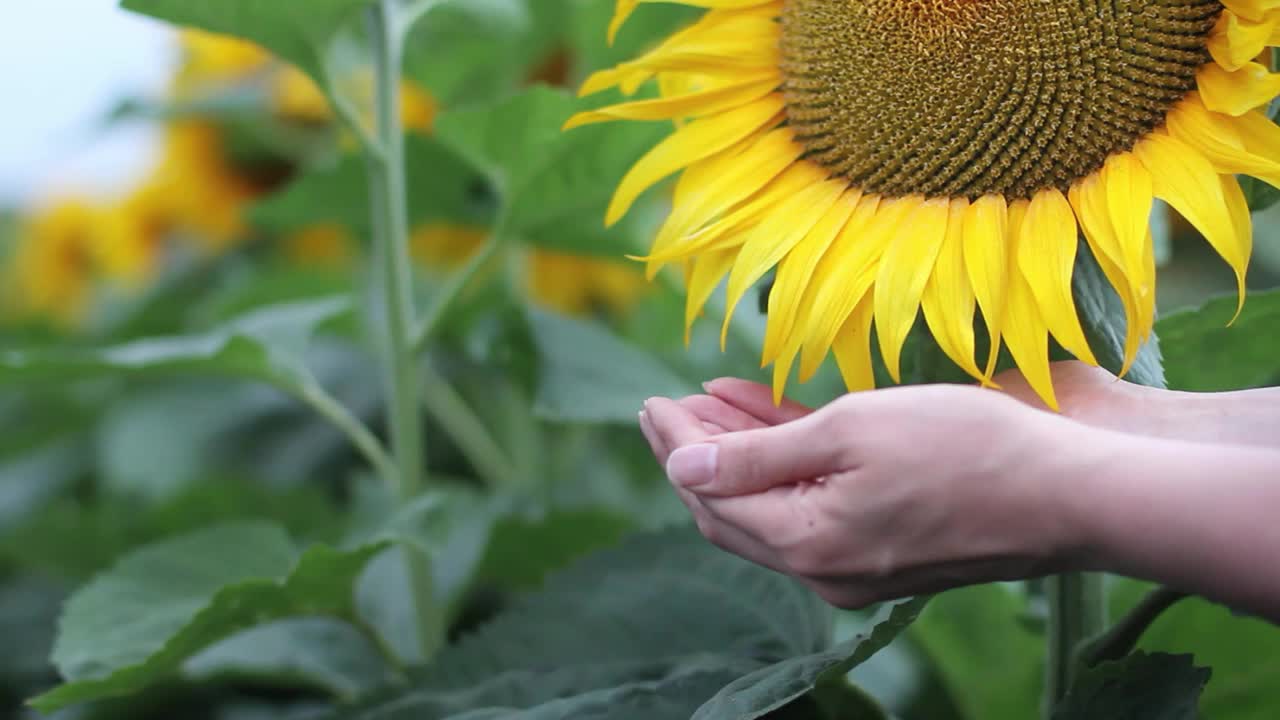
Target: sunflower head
892	158
210	60
53	267
134	232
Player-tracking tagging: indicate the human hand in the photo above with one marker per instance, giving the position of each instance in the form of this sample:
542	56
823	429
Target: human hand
877	495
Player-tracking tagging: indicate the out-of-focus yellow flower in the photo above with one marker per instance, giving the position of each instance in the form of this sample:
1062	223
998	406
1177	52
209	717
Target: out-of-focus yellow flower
441	245
210	59
133	235
570	283
296	97
53	266
324	244
577	285
197	184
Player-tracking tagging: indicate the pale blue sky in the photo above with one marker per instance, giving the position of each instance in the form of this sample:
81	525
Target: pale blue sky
63	65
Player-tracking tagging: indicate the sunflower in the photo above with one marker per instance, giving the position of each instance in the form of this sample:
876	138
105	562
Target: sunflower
53	267
888	156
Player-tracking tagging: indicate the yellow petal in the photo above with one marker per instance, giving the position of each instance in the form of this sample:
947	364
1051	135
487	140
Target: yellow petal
1236	92
710	187
1239	38
1251	9
948	300
1242	222
844	276
689	144
776	235
708	271
621	12
986	260
1188	182
904	272
852	348
696	104
1089	199
731	230
796	269
1025	331
1047	257
1219	138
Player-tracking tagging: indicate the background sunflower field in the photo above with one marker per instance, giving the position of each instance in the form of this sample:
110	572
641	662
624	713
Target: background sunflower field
203	503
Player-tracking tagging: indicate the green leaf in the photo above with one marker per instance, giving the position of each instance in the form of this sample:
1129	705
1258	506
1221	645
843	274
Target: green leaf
264	345
987	659
1139	687
1241	650
772	687
1102	316
651	629
308	652
587	374
443	188
135	624
525	547
1203	354
299	32
549	179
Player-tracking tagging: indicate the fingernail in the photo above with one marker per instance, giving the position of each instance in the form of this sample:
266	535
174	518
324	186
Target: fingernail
693	465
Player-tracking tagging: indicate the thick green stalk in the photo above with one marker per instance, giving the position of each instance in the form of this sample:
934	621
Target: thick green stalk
394	280
1077	613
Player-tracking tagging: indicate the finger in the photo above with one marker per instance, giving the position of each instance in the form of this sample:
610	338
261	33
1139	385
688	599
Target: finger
674	425
753	461
729	538
755	400
712	409
658	447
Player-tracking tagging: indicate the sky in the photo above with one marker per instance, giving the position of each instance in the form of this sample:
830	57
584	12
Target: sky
60	78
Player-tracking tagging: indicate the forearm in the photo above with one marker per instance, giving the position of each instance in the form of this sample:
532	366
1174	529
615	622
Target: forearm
1195	516
1249	417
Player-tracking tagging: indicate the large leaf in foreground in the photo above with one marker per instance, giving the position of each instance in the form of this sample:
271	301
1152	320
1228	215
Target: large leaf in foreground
1241	650
651	629
1139	687
264	345
772	687
136	623
1202	353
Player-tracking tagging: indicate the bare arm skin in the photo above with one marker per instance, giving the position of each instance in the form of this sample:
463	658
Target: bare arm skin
911	490
1096	397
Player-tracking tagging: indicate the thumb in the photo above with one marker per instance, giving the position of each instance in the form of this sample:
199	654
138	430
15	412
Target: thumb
753	461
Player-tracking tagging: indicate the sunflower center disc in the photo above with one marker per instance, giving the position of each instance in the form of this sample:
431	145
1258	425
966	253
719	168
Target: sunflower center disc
970	97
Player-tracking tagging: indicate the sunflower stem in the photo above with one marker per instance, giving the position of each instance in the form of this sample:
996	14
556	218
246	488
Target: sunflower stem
393	280
1077	612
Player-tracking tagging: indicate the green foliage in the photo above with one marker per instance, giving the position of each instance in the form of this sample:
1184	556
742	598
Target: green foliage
211	453
158	606
1237	647
696	621
1207	352
989	661
549	180
264	345
589	376
1141	687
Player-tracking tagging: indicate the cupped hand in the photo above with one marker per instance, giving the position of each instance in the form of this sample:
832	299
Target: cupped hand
877	495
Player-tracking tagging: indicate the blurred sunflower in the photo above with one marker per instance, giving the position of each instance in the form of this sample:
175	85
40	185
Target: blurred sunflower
887	156
569	283
52	270
296	97
134	231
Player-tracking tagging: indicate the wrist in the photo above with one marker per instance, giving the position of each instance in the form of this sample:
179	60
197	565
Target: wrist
1075	464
